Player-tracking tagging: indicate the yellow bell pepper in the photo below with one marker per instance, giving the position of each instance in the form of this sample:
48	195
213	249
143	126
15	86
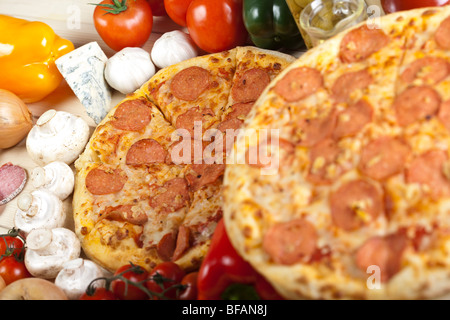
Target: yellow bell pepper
28	51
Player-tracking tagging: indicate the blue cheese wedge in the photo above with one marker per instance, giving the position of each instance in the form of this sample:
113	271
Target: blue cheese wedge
83	69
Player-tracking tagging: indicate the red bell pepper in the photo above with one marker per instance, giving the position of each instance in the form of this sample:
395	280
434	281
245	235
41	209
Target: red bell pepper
224	268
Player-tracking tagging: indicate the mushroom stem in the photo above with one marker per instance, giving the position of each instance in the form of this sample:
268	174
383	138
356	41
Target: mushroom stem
24	201
38	177
40	240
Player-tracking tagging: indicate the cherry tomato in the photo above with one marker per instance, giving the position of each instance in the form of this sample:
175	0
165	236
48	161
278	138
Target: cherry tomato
158	8
99	294
11	246
12	269
390	6
126	24
216	25
190	292
172	272
127	289
176	10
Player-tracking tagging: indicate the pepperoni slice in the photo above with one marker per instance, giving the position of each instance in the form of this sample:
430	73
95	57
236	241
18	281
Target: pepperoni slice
383	158
125	213
290	242
205	174
431	169
383	252
146	151
299	83
191	118
442	35
444	114
355	203
322	156
183	242
190	83
249	86
348	83
166	247
415	104
360	43
174	196
99	181
353	119
431	70
314	130
132	115
239	111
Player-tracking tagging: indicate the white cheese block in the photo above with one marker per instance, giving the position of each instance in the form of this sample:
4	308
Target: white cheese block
83	69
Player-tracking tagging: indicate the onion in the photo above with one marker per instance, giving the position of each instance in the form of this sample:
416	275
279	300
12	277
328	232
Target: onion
15	119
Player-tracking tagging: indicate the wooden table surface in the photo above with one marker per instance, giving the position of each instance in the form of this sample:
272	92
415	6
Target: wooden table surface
70	19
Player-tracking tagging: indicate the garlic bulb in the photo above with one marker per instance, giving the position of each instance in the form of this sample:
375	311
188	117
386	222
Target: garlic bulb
57	136
39	209
129	69
56	177
173	47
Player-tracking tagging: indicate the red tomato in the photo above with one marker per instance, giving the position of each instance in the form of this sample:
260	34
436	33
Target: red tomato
99	294
131	26
11	246
216	25
172	273
158	8
11	269
190	281
127	288
390	6
176	10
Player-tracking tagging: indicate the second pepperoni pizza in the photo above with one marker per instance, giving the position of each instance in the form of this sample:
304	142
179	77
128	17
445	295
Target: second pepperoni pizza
146	191
357	205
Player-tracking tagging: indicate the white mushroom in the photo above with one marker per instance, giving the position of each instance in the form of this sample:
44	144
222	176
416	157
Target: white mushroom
39	209
76	276
49	249
57	136
56	177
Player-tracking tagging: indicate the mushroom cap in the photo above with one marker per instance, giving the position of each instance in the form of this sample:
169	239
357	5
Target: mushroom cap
48	251
39	209
57	136
56	177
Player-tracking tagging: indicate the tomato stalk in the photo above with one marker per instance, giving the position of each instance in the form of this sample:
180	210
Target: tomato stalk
115	8
10	249
157	278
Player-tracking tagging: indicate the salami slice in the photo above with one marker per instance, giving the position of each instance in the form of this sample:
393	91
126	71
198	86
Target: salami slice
183	242
299	83
12	181
431	170
205	174
383	158
444	114
249	86
442	35
415	104
386	253
166	247
174	196
105	181
291	242
431	70
146	151
191	118
314	130
323	168
132	115
355	203
353	119
360	43
348	83
190	83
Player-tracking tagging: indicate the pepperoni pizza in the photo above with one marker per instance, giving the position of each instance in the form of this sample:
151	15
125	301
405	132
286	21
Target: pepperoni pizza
145	192
358	204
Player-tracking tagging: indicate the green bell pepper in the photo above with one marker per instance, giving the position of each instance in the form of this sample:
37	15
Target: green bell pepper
271	25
